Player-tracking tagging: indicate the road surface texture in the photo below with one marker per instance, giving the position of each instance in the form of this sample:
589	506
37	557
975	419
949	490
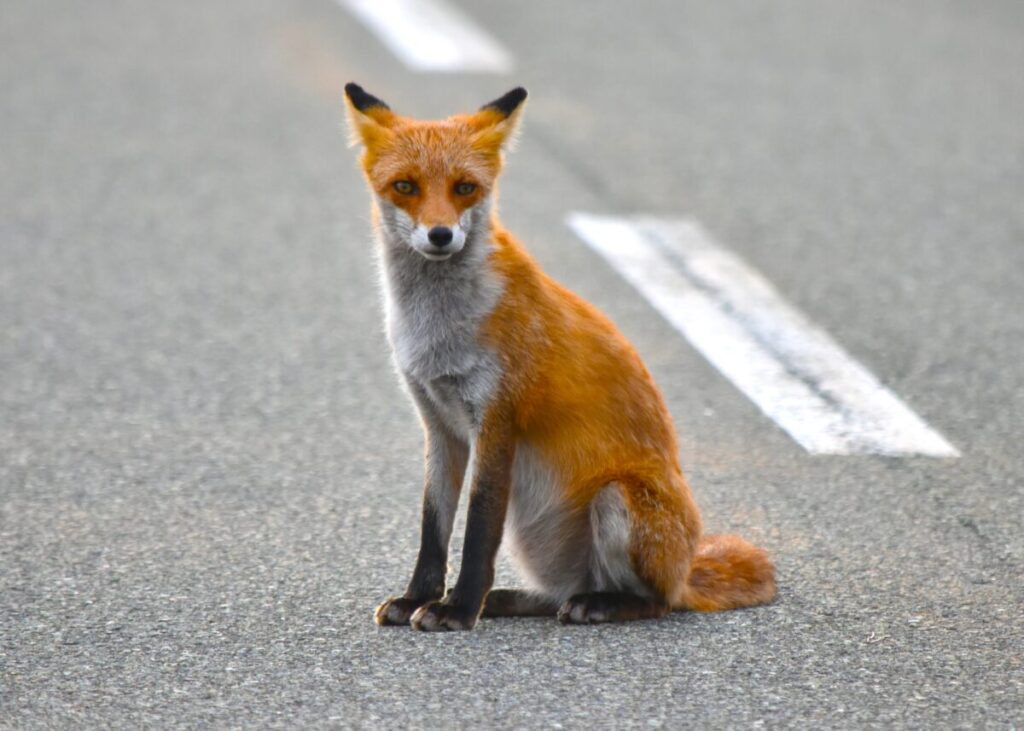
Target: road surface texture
209	476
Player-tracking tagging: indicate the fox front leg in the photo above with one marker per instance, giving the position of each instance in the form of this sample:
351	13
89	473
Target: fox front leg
445	467
488	503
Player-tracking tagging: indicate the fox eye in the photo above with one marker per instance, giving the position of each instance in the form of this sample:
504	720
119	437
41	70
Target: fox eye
464	188
405	187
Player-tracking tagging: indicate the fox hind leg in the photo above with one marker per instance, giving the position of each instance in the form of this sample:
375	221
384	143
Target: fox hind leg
642	542
518	603
610	606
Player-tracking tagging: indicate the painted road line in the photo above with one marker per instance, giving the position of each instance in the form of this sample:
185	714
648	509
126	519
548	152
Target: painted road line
792	369
431	35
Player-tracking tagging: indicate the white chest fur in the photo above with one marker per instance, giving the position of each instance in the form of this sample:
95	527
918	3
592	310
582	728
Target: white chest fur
434	312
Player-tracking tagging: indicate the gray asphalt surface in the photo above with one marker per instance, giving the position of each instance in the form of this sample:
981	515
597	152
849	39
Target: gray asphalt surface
209	476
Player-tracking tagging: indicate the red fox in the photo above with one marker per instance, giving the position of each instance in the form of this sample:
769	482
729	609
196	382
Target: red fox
569	449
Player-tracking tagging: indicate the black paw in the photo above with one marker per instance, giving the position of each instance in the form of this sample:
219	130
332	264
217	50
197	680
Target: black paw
438	617
610	607
396	611
585	609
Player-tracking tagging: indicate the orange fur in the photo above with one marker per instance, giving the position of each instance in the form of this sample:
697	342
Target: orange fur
573	386
582	394
726	573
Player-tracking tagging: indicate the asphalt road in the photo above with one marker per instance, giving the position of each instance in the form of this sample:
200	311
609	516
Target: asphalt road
209	476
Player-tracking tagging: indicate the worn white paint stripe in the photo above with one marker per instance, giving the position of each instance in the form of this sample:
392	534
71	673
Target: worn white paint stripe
431	35
796	374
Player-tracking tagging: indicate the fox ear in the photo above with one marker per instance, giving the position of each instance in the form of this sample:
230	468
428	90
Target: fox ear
368	117
498	121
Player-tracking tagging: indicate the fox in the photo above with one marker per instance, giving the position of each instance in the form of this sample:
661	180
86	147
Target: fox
531	397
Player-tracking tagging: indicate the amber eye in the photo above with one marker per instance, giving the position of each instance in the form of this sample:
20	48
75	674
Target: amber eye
465	188
405	187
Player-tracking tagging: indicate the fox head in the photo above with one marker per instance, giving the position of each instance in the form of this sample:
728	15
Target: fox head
432	180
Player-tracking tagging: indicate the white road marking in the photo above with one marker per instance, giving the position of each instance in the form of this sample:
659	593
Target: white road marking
795	373
431	35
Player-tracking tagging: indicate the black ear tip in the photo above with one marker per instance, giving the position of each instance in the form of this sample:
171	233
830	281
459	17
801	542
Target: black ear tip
508	103
360	99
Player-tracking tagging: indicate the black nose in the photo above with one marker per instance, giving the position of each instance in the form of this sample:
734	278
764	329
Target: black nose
440	236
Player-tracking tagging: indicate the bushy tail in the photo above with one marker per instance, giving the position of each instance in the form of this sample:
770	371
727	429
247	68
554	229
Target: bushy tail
728	573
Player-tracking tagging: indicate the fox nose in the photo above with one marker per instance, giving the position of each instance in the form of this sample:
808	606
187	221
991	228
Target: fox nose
440	236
